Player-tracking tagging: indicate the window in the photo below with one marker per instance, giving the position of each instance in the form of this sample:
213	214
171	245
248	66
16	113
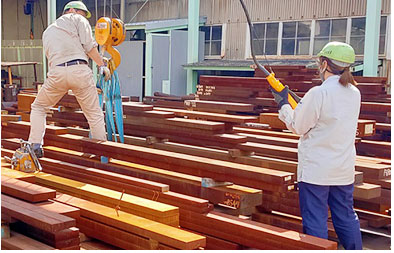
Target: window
329	30
382	36
296	38
357	35
266	38
213	40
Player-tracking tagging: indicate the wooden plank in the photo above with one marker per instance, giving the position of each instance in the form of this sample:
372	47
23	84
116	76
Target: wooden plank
25	101
227	106
366	191
375	107
239	119
26	191
177	123
162	233
384	183
123	240
143	207
375	220
219	170
375	148
60	208
253	234
6	117
287	221
62	239
27	177
20	242
150	114
364	127
97	245
34	215
214	243
25	126
132	181
136	106
179	182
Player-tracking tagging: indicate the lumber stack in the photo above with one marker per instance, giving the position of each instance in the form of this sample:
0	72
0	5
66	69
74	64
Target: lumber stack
92	221
222	238
145	233
32	212
141	120
365	128
167	100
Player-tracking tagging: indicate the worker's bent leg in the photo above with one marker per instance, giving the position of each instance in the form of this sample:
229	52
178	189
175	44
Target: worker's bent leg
51	92
344	218
314	209
84	89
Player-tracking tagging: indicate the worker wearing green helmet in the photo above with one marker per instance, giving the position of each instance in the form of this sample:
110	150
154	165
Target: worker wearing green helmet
326	119
78	6
68	44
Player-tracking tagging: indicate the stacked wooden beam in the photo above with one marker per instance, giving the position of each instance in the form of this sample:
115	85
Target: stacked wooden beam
168	238
141	120
30	208
232	229
225	239
167	100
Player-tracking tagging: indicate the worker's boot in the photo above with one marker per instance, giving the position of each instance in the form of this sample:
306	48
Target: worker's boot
38	150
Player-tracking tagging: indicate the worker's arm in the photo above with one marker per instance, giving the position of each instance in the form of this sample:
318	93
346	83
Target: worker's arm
103	69
306	114
95	56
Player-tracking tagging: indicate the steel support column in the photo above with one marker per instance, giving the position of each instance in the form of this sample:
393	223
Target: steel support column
372	29
192	42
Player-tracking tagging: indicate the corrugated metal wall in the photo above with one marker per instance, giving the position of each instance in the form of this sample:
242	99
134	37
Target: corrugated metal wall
230	12
24	50
15	25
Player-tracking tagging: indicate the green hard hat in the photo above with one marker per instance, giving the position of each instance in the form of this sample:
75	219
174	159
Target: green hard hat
340	53
78	5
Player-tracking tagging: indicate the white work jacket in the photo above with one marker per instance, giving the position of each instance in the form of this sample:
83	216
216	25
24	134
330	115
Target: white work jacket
326	118
68	38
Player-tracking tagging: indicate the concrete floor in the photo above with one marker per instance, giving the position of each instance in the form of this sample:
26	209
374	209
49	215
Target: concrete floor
376	241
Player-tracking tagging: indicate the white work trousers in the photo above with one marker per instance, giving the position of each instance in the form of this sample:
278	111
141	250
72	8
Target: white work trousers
60	79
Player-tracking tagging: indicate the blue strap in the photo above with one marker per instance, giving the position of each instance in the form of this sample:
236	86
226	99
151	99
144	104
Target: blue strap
112	100
118	107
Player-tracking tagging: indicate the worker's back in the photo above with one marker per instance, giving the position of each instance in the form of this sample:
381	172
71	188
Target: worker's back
327	150
68	38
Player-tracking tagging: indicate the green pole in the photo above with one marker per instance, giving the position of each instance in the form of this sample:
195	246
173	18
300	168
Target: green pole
51	13
148	64
372	29
192	43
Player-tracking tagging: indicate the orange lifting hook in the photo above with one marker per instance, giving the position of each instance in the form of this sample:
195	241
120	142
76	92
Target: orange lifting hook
110	33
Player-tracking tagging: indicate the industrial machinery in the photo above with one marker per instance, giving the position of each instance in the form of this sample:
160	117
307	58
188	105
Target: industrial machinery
24	159
109	33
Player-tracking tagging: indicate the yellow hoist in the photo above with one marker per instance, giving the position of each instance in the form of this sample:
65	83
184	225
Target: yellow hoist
110	33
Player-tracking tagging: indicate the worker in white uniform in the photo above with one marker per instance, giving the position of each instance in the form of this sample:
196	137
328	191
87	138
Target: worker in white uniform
68	44
326	118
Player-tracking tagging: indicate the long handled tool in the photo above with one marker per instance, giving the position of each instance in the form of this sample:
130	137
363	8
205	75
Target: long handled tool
275	83
109	33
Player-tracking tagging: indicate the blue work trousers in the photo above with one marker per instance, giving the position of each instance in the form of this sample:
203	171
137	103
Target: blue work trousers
314	202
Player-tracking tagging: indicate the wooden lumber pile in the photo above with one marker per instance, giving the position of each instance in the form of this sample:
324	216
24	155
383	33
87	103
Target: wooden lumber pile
32	212
167	100
365	127
251	176
228	234
145	233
